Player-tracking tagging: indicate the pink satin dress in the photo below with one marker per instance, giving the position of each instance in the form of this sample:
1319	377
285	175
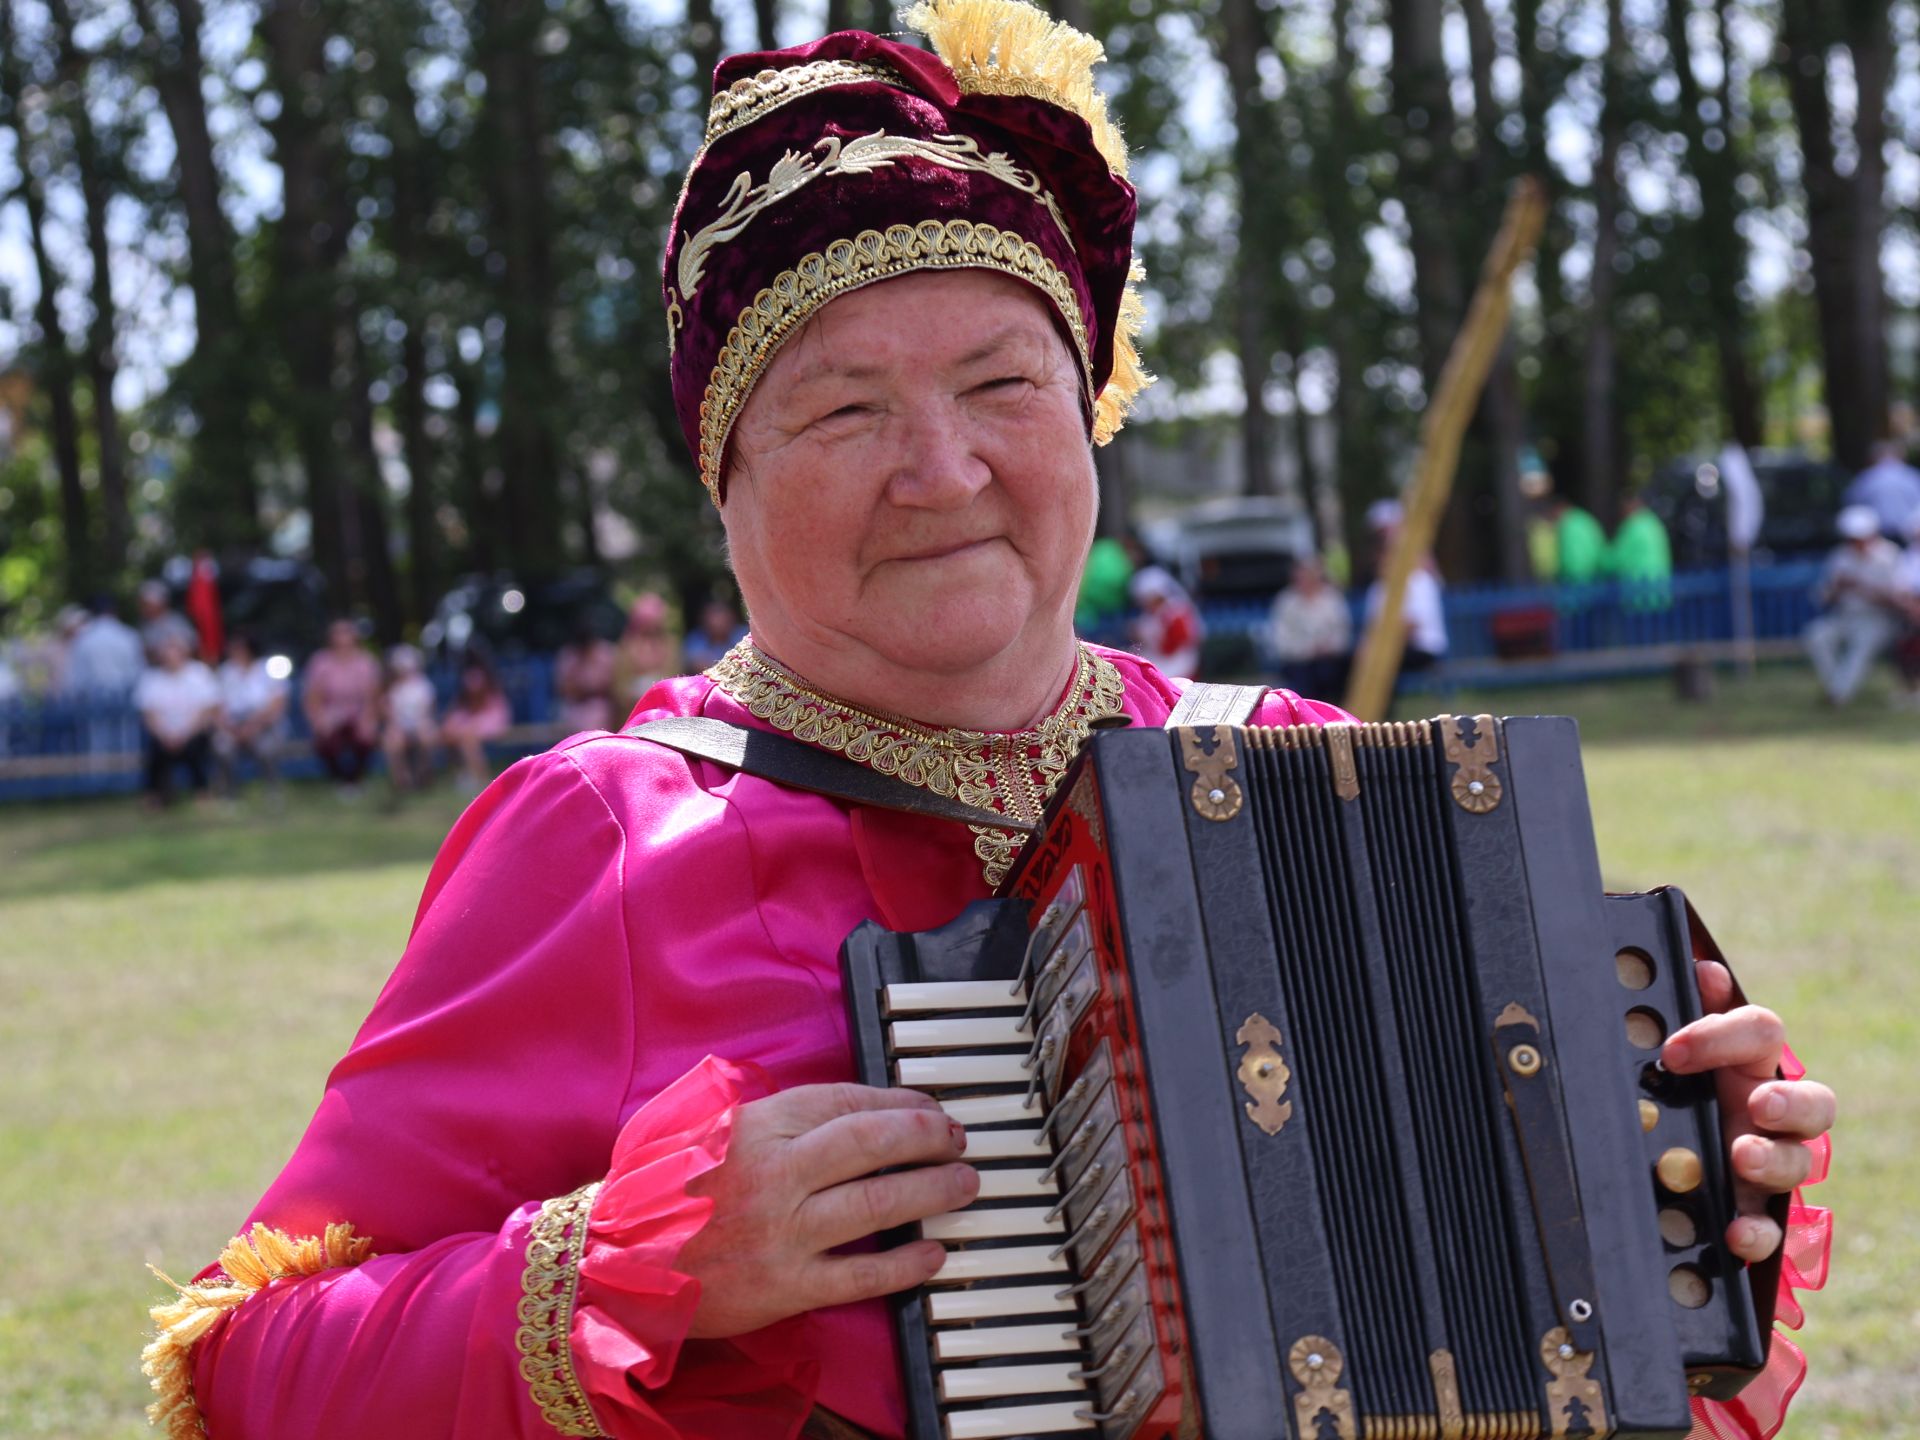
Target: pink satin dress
616	946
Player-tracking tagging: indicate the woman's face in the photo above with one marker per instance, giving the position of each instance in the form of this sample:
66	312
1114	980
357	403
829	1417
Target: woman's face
912	477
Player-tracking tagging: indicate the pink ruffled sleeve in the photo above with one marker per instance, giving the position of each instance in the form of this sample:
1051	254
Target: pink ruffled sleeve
633	1308
1759	1411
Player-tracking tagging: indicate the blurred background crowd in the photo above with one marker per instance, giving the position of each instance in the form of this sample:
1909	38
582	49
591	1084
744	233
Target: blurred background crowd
313	311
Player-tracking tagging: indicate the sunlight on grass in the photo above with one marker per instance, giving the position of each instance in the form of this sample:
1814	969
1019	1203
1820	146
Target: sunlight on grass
176	989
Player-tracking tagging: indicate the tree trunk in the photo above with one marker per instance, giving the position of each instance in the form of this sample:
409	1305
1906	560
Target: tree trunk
218	379
374	554
53	361
1870	40
1502	417
306	250
1555	396
766	14
1597	409
1242	37
116	531
531	395
1725	248
703	42
839	15
1429	188
1847	293
413	184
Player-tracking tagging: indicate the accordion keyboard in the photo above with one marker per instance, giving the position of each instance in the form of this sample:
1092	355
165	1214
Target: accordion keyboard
1041	1321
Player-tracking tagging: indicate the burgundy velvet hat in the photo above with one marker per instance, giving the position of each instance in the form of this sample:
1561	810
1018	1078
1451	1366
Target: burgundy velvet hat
855	159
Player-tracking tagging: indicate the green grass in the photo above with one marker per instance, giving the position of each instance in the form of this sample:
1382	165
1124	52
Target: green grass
173	990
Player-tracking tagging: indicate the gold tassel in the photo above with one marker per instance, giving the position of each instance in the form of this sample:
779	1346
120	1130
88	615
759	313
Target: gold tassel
251	1262
1008	47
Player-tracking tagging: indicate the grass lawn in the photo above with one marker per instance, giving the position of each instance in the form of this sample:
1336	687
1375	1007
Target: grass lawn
175	989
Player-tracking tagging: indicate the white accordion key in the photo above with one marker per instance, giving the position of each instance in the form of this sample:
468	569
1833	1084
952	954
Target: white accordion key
985	1342
978	1033
922	999
1002	1421
993	1109
996	1382
950	1307
959	1226
1015	1184
934	1072
1026	1143
1003	1262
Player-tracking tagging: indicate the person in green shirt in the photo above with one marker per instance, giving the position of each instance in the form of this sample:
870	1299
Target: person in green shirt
1580	543
1641	559
1103	586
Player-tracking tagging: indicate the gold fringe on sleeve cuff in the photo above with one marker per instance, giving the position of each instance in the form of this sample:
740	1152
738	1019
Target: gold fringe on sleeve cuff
549	1286
251	1262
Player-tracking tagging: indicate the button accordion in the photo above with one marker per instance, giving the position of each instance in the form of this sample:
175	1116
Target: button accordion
1313	1083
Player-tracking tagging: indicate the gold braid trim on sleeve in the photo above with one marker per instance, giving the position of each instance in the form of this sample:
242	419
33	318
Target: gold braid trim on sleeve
251	1262
549	1286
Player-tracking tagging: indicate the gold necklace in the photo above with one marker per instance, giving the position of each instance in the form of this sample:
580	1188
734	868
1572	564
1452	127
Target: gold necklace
1012	773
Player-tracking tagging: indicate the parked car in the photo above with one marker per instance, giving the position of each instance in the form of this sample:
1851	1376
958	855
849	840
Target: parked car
1802	496
509	617
281	603
1233	549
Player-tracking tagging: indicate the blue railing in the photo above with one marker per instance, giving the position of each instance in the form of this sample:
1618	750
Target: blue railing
91	744
1486	622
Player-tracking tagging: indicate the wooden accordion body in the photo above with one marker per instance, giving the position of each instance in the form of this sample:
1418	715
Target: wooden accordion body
1311	1076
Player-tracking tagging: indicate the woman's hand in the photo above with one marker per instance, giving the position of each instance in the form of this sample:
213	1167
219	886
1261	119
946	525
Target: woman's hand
799	1181
1765	1119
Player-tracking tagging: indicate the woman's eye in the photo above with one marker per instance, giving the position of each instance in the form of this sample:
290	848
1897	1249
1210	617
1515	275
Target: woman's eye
844	413
1004	385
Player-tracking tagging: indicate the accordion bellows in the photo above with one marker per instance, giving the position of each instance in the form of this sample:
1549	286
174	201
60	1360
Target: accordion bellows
1313	1079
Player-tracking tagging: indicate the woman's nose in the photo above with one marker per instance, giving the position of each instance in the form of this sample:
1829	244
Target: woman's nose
937	466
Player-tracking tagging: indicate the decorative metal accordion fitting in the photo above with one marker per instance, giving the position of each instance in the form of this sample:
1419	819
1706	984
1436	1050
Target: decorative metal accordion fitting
1346	779
1446	1395
1209	752
1263	1074
1571	1386
1475	787
1316	1363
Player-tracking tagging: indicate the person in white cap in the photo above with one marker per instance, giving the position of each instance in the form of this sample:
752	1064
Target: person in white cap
1859	595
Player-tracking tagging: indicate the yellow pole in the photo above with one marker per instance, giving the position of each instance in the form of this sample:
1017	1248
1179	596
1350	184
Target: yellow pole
1455	399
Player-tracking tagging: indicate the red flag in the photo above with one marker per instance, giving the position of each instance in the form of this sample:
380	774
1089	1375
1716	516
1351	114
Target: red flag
203	608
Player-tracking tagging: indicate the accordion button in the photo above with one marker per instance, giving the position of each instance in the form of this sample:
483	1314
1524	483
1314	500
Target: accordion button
1649	1115
1679	1170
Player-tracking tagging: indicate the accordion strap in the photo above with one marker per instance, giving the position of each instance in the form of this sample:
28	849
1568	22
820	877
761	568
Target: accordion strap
1216	705
801	766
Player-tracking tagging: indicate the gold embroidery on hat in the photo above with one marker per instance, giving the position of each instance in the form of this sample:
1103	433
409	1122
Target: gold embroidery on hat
758	95
861	155
1013	773
793	296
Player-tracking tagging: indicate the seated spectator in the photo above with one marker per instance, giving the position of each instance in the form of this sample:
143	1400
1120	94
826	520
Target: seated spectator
408	733
1641	558
1906	652
1889	487
159	621
253	713
583	676
1426	617
105	657
1310	633
718	632
1168	630
1861	613
647	651
479	713
1579	543
340	696
179	704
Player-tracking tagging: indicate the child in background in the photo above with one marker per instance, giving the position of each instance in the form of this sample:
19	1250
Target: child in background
480	713
408	733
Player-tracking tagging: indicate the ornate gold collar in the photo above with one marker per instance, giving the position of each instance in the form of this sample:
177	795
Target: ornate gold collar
1011	773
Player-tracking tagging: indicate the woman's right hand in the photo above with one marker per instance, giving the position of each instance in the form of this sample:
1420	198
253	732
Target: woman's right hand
799	1181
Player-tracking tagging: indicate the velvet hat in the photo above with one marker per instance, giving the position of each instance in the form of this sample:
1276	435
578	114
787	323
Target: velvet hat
830	166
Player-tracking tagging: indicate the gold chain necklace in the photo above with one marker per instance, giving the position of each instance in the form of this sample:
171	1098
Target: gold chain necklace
1012	774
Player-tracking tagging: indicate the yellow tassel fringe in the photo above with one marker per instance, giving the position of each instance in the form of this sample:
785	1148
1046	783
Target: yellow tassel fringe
1008	47
252	1262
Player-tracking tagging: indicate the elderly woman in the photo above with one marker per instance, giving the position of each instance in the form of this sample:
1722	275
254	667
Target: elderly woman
594	1165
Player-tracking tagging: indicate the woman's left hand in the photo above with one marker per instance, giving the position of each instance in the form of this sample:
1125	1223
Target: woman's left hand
1765	1119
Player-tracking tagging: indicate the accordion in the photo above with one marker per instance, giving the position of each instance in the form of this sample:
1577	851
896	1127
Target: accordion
1313	1082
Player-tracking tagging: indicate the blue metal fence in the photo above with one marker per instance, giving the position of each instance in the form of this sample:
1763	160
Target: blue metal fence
1694	608
91	745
